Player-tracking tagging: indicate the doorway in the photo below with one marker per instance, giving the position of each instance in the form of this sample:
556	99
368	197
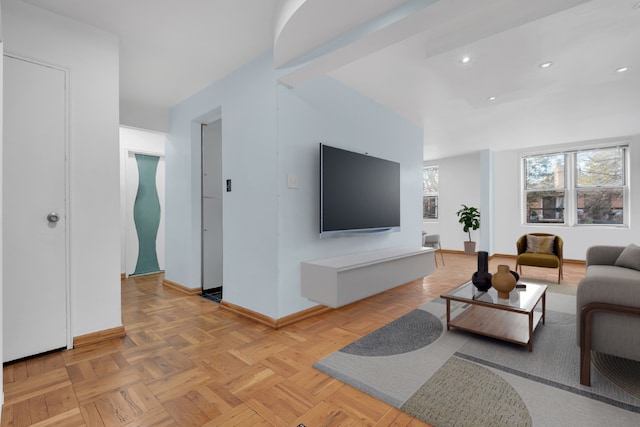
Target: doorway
212	217
35	205
144	212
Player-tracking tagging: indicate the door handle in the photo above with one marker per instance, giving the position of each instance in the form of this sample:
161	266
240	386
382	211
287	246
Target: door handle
53	217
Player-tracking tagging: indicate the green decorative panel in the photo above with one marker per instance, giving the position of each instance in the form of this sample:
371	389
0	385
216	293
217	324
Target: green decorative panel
146	214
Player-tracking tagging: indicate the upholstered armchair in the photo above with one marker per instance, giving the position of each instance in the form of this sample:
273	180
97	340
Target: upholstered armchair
540	250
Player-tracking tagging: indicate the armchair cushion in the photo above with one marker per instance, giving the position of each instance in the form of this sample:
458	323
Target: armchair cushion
539	260
629	258
540	244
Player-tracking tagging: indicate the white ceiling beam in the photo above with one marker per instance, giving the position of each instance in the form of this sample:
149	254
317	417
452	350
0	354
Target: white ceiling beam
450	24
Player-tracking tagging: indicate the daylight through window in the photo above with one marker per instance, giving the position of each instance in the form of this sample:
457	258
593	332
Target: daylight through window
579	187
430	189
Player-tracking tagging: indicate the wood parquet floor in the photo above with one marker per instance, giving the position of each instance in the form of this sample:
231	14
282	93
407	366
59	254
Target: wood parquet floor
186	362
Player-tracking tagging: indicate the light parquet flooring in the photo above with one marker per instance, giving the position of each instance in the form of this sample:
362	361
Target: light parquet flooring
186	362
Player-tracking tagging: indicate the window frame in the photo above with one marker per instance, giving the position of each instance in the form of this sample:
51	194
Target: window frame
571	188
431	194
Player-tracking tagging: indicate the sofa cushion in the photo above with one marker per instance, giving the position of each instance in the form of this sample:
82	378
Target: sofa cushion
611	273
629	258
540	244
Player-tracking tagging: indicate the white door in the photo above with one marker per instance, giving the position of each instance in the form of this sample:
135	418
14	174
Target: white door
212	256
34	209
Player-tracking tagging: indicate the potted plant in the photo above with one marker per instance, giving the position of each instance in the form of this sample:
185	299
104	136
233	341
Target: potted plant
469	217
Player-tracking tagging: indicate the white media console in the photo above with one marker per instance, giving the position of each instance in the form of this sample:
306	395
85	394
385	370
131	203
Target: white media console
341	280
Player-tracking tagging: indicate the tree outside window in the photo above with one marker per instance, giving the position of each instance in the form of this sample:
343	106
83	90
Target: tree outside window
600	186
430	189
597	194
545	188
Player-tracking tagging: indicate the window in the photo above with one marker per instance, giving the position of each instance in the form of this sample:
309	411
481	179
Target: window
590	184
545	188
430	188
600	186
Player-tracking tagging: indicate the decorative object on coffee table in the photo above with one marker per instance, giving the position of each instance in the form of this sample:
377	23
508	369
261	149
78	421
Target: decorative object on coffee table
481	279
503	281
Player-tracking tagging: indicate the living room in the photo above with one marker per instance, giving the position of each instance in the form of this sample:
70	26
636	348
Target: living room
272	130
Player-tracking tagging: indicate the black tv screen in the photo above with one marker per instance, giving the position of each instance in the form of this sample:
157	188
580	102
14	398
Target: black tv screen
358	193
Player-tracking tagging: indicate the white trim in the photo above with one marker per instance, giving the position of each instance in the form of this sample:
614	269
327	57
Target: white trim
144	152
157	132
576	146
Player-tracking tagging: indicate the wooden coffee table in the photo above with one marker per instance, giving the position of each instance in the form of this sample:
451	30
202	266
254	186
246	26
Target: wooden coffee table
483	313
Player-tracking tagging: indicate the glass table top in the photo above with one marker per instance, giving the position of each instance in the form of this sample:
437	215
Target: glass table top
524	297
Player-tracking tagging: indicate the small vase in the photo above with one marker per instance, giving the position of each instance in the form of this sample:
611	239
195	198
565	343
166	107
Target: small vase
504	281
482	278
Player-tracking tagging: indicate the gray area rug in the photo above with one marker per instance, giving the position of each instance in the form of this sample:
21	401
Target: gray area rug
410	332
461	379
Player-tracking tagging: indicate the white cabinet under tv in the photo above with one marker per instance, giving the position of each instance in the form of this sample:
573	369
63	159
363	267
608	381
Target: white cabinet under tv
341	280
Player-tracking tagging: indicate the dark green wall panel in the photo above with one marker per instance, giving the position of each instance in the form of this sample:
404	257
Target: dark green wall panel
146	214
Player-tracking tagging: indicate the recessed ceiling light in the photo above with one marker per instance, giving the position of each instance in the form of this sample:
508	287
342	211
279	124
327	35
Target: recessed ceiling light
546	64
465	59
621	69
492	98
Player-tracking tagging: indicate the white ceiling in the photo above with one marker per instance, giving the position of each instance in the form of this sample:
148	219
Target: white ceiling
404	54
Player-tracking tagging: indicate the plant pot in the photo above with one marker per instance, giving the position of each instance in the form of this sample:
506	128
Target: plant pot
469	248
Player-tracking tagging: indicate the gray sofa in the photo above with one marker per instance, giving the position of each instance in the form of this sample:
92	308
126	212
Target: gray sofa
608	305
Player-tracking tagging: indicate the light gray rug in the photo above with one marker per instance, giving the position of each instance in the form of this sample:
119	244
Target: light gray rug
461	379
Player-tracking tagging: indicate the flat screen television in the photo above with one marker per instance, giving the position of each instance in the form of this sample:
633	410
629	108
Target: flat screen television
358	193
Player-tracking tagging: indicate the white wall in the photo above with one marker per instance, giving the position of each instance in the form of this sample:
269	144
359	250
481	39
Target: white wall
246	101
577	239
267	133
137	141
91	56
326	111
461	179
460	183
1	208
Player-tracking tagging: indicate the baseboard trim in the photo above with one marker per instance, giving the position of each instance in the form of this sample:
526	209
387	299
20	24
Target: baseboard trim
574	261
271	322
181	288
565	260
98	337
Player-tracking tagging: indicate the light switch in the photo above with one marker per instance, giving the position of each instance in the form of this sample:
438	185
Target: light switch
292	181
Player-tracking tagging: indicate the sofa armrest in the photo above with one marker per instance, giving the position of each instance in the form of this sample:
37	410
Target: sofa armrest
603	255
597	288
602	287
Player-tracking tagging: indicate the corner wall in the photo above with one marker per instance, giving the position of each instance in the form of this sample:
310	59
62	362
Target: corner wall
246	102
91	56
460	183
268	132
